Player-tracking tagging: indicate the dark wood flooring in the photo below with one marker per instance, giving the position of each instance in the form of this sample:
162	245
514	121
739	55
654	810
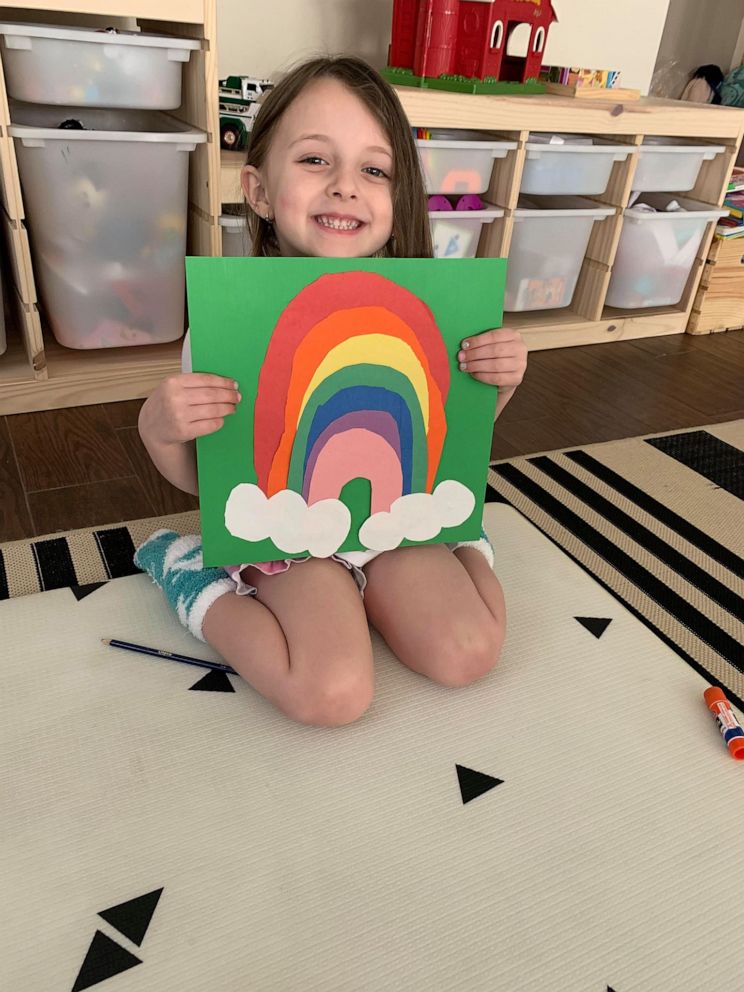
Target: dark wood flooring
86	466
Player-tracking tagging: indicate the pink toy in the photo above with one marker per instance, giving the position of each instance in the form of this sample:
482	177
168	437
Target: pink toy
470	201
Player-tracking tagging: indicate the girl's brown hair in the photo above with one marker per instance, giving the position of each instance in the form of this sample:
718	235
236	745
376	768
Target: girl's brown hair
411	235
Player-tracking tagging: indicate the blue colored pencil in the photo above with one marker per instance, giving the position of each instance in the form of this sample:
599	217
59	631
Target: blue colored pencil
170	656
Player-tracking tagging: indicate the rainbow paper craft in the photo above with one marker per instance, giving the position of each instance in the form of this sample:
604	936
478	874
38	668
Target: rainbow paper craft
357	430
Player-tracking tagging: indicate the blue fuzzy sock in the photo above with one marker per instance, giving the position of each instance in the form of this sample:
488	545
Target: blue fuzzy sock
482	544
174	562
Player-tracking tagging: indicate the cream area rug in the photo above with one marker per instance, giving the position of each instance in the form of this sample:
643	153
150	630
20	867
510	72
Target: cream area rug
571	822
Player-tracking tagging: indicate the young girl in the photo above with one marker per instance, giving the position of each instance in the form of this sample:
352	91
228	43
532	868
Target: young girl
332	171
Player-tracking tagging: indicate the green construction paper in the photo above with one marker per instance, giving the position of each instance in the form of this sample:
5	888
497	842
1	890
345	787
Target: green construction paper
234	305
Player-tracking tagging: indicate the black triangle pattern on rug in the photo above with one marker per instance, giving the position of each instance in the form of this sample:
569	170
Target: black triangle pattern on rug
105	958
132	918
80	592
474	784
595	625
214	681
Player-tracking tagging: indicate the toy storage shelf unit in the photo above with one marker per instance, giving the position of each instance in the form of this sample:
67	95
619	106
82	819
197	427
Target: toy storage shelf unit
587	319
37	373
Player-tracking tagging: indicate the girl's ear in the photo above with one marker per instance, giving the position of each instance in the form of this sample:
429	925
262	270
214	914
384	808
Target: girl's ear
253	188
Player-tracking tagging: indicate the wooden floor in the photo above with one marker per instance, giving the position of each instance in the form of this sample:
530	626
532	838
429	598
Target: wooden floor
86	466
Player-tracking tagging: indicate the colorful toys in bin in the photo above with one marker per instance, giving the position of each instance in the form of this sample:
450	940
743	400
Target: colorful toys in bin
239	100
462	45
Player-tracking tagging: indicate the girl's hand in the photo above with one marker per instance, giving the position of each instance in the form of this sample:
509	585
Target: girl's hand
497	357
187	406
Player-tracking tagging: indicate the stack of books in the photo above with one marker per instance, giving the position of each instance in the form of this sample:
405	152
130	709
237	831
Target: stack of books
733	225
576	76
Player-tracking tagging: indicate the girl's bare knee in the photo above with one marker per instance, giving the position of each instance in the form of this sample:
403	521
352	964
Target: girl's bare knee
332	705
334	700
467	654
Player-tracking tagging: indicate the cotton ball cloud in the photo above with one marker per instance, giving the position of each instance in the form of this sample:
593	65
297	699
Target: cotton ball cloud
287	520
418	516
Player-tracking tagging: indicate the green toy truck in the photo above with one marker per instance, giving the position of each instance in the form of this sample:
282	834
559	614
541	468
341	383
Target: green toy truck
238	100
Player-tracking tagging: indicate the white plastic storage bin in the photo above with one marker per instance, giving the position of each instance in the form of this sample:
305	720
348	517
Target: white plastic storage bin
459	161
455	233
106	209
84	67
670	165
235	237
656	252
576	165
548	245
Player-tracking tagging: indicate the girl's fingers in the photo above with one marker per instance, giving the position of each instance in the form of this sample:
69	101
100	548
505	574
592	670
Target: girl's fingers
206	427
203	396
492	350
210	411
499	335
499	365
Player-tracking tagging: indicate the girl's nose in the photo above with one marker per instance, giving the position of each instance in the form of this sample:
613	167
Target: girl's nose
342	186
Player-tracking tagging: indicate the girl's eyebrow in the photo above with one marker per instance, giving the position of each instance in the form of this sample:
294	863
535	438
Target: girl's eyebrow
309	137
324	137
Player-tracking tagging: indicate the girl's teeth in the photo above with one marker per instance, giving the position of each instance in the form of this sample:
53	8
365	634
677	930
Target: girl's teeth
340	225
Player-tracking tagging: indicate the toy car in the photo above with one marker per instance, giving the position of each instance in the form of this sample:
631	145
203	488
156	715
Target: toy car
238	104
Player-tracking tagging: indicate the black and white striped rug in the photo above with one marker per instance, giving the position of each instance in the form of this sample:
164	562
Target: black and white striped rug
659	521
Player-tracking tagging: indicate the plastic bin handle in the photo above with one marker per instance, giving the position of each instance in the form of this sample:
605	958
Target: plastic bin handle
18	41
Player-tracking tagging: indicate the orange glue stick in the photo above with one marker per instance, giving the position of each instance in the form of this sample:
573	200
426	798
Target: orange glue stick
729	726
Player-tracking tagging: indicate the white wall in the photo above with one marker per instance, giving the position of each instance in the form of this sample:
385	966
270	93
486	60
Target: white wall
259	38
609	34
696	34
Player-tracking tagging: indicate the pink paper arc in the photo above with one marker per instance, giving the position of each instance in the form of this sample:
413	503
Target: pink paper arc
357	454
376	421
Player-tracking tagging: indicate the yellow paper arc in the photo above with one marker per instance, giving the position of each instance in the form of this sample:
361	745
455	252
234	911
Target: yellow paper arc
373	349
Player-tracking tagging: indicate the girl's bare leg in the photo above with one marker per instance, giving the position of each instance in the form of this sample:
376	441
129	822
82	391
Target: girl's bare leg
303	642
442	614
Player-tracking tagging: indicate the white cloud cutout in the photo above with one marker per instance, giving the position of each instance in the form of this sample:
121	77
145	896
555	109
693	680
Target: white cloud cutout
418	516
287	520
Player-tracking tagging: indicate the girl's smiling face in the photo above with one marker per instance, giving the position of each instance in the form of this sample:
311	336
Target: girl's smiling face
327	178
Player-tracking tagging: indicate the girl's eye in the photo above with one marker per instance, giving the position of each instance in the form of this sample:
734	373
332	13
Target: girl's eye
373	170
313	160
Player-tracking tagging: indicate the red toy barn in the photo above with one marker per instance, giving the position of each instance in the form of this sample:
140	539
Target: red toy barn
468	37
